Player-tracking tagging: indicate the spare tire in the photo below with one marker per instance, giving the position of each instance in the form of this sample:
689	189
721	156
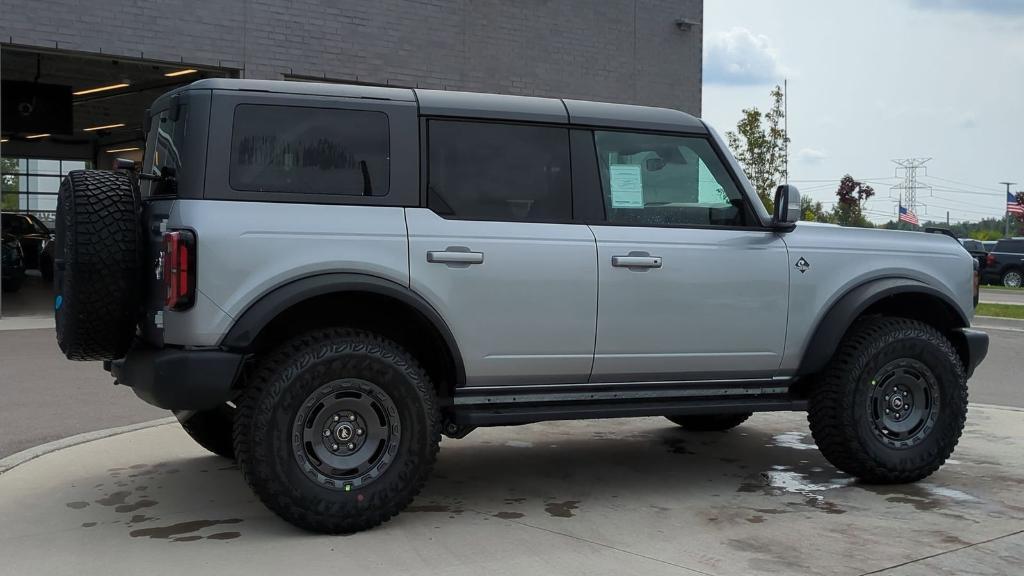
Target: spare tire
97	263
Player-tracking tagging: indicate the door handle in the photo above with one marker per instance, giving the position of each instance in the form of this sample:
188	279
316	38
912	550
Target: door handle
636	261
455	257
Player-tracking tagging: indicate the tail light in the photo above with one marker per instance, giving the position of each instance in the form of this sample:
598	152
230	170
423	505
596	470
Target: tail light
179	269
990	259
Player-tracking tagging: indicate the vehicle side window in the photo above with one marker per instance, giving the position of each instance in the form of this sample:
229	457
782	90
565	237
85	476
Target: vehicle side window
309	150
660	180
492	171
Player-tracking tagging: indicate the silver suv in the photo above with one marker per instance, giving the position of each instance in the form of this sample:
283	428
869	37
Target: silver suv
320	280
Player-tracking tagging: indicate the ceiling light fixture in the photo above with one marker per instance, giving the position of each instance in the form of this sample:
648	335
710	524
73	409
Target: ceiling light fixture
34	136
101	89
181	72
116	150
104	127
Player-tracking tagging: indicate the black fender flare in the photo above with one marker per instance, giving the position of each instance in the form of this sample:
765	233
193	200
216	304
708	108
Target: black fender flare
249	324
834	324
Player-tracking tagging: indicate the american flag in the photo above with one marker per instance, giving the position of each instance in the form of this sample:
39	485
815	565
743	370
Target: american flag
907	216
1012	206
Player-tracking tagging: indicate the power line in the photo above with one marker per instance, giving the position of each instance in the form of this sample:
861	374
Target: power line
964	184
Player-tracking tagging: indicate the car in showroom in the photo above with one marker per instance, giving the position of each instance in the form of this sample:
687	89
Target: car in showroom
35	238
12	263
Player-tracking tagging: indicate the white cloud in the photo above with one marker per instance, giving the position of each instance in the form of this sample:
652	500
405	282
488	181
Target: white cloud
812	156
740	57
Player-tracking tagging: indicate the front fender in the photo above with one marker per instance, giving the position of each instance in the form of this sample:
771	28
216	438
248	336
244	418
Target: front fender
834	324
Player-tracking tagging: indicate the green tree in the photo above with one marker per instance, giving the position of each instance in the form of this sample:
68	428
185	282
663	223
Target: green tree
8	184
848	210
812	211
759	144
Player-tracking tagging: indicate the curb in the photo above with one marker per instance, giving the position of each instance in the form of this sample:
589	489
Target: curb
19	458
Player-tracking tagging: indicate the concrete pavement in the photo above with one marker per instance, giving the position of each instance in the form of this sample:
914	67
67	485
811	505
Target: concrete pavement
634	496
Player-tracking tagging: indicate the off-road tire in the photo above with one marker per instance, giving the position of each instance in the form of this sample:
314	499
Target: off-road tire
96	264
212	429
841	417
283	385
710	422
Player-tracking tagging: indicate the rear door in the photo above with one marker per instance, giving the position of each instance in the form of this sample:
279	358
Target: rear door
497	254
691	286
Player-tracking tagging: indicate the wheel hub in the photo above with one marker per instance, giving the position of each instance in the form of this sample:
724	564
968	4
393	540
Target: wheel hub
345	433
903	403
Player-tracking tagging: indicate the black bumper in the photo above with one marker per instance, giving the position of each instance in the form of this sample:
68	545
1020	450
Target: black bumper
176	379
975	344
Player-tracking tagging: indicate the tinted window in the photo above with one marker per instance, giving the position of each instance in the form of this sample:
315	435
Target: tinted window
309	150
499	171
166	141
654	180
1014	246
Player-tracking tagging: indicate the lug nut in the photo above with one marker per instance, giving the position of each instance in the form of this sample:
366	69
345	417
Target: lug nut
336	417
359	431
351	417
334	446
326	432
351	446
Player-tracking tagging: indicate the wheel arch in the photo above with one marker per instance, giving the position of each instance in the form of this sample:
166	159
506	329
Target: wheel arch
358	300
903	297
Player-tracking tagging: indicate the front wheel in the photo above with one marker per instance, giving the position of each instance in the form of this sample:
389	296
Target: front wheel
338	430
891	406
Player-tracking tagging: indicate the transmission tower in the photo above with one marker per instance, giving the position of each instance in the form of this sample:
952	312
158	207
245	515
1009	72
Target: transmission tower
907	191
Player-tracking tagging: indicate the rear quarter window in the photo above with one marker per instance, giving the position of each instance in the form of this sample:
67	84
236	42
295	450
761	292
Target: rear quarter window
1014	246
307	150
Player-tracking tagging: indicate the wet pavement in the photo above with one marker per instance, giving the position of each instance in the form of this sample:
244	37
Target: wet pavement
634	496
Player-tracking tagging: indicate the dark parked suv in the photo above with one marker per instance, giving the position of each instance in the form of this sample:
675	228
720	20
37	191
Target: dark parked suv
1005	263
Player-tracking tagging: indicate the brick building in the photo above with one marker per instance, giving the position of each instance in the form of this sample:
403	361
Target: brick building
105	60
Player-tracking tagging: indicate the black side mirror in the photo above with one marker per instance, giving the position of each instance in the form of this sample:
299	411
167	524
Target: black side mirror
787	207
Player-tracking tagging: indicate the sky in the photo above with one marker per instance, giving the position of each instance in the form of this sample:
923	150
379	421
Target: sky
876	80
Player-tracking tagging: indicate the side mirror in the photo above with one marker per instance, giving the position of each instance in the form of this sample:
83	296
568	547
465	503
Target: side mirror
787	207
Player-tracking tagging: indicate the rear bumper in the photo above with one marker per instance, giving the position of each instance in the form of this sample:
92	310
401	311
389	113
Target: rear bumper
176	379
974	345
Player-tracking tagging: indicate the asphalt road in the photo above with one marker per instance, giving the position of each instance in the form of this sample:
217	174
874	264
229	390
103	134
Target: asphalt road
1002	296
44	397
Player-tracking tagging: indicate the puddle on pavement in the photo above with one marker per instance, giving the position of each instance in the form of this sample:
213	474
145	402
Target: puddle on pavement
174	530
562	509
794	440
509	515
811	485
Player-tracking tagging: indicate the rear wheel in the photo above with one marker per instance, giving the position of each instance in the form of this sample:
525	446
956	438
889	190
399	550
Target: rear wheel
891	406
211	429
710	422
338	430
1013	278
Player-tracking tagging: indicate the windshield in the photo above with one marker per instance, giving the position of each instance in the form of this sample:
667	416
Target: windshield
164	149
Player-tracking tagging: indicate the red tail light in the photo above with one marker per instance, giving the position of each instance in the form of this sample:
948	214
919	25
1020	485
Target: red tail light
180	269
990	259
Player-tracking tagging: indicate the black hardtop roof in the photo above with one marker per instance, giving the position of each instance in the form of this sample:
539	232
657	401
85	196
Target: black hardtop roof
477	105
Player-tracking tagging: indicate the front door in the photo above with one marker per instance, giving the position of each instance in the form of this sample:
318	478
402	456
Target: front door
691	287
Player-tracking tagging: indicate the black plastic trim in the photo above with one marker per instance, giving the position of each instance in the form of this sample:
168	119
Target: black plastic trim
264	310
830	330
179	379
975	344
